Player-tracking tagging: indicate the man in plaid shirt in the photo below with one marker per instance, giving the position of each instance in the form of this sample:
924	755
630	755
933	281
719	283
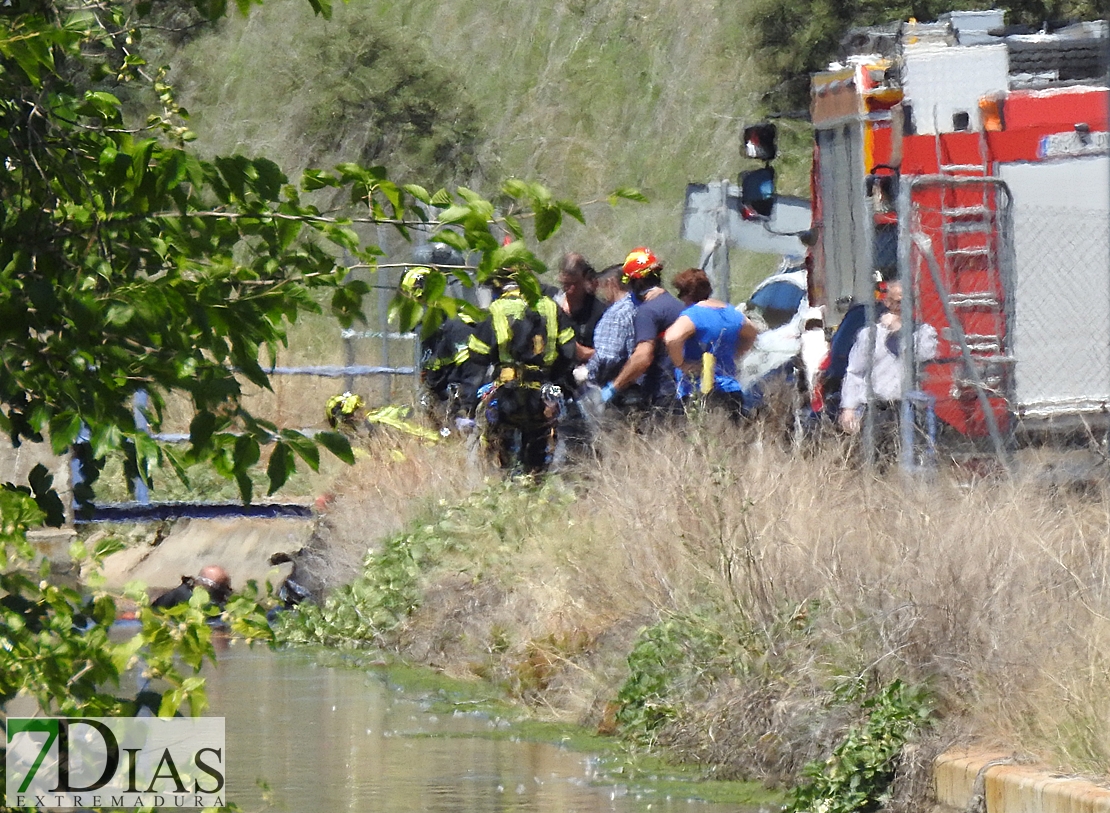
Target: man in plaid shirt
614	337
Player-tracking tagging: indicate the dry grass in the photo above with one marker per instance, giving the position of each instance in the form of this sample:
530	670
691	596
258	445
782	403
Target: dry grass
994	593
396	480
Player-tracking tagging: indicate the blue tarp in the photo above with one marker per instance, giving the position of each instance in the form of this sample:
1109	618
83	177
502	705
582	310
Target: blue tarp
779	295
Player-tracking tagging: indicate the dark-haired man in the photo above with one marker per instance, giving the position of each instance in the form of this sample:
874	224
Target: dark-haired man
578	281
656	310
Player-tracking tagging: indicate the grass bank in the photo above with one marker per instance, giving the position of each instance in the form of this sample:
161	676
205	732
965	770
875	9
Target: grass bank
740	606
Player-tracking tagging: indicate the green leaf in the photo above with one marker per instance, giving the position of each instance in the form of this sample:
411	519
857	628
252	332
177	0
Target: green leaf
529	286
177	466
548	220
234	171
346	304
452	239
64	429
47	499
246	453
418	192
572	209
455	214
405	312
246	487
514	227
514	255
101	105
471	197
303	447
119	314
314	179
279	467
435	286
141	153
269	178
626	193
200	430
516	188
338	445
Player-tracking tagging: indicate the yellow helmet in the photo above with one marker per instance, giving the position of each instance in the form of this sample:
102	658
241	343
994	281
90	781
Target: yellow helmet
412	283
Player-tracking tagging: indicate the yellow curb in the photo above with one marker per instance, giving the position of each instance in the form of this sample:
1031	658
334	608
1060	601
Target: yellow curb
955	773
962	774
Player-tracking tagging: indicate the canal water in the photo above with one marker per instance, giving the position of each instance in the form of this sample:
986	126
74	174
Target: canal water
304	737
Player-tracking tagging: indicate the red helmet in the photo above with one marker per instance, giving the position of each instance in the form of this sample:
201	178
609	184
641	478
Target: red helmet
639	263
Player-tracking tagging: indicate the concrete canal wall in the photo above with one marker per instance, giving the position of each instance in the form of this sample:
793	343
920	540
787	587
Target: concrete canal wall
993	782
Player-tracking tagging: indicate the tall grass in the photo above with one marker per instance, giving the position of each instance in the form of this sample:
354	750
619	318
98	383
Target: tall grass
799	576
583	95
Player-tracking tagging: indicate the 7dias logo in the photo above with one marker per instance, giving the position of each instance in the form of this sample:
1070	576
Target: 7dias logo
115	762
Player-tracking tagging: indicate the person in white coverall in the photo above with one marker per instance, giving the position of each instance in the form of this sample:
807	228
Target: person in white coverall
878	347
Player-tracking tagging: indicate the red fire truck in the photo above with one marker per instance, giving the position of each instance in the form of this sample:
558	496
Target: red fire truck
972	162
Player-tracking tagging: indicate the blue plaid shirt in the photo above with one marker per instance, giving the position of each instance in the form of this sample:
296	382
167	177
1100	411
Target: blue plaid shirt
614	340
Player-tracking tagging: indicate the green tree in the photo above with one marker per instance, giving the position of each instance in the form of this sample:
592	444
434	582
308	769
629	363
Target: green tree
129	264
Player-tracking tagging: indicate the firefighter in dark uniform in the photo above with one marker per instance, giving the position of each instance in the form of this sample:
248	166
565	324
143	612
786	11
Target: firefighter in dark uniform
450	380
531	348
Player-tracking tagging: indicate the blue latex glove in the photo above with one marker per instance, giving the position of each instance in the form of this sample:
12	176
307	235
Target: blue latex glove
607	393
485	389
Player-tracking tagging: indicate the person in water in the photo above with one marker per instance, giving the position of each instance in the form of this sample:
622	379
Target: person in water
212	578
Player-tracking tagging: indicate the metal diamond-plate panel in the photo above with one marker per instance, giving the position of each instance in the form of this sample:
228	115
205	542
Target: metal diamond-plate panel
1062	310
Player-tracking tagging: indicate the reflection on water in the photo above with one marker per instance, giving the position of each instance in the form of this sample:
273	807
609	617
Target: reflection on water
334	739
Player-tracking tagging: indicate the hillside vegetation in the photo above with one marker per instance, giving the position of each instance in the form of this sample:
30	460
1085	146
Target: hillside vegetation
584	96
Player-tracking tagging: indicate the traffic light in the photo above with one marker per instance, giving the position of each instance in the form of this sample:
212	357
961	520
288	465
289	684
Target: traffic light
759	142
757	193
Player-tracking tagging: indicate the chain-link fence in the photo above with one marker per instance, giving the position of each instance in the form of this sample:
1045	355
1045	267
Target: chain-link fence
372	360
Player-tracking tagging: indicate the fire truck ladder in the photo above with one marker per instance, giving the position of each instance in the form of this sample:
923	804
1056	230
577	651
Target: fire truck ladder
968	227
970	283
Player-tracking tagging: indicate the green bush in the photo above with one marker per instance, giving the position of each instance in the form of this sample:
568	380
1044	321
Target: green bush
360	613
856	778
667	664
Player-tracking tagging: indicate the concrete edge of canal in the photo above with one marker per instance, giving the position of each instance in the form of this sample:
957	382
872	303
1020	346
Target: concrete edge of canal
993	782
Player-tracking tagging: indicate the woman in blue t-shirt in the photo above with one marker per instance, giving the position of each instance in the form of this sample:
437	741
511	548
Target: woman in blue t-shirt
705	341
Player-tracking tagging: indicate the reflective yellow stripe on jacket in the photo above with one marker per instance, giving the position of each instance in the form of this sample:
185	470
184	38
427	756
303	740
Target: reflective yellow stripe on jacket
512	307
462	355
